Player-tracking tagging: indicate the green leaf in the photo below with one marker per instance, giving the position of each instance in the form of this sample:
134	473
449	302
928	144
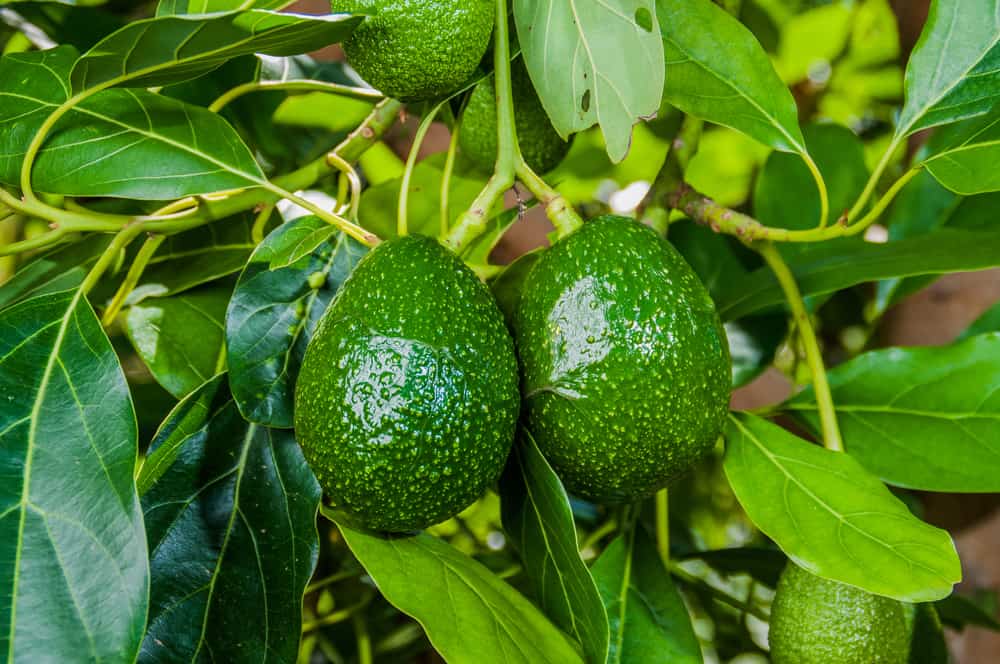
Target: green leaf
649	622
723	75
72	547
832	517
539	522
921	418
989	321
197	257
927	644
506	287
60	269
469	614
952	72
957	612
75	24
593	61
764	565
966	166
941	252
169	49
170	7
163	332
230	511
274	312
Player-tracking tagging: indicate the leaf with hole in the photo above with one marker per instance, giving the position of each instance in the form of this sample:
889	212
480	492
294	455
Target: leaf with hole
832	517
899	409
275	310
230	511
72	546
539	522
593	61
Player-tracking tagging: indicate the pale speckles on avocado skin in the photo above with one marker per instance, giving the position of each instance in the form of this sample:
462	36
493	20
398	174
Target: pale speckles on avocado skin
626	370
407	399
818	621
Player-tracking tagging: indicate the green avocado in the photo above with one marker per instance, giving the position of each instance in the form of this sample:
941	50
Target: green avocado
407	399
541	145
626	370
416	50
818	621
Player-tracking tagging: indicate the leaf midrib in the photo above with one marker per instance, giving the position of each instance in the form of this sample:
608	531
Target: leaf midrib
870	408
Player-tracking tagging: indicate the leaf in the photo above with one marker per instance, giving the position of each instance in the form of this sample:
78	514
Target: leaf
274	312
649	622
942	252
72	547
539	522
169	7
180	338
921	418
60	269
967	165
723	75
197	256
927	644
507	286
230	511
595	61
958	611
952	72
834	519
79	25
470	615
169	49
989	321
764	565
124	143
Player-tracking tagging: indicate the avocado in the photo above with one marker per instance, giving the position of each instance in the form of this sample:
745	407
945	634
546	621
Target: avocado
407	399
626	370
541	145
818	621
415	50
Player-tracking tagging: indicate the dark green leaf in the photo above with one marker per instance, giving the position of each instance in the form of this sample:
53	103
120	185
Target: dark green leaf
60	269
169	7
921	418
469	614
539	522
958	611
649	622
595	61
507	286
230	511
72	545
274	312
944	251
764	565
832	517
723	74
967	165
80	26
927	644
169	49
988	322
952	72
180	338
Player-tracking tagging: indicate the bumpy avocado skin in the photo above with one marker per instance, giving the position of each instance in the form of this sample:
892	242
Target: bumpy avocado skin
626	369
407	399
416	50
541	145
818	621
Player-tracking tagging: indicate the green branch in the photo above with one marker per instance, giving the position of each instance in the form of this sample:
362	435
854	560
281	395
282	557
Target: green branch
403	211
293	86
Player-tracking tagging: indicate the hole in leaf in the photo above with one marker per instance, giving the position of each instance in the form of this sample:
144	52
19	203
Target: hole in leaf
644	19
585	102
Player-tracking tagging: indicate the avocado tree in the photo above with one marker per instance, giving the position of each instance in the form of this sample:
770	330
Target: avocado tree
267	394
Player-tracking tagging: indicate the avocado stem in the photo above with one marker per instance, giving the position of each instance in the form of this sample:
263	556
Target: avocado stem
402	212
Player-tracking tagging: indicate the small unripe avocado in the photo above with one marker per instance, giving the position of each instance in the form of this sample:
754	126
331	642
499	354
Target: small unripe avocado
626	369
416	50
541	145
407	399
819	621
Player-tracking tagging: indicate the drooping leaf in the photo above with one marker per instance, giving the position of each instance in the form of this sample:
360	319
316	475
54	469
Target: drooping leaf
943	252
723	74
539	522
593	61
927	644
60	269
73	23
958	611
72	548
167	49
124	143
989	321
921	418
470	615
273	314
649	622
832	517
230	512
764	565
952	72
169	7
180	337
966	165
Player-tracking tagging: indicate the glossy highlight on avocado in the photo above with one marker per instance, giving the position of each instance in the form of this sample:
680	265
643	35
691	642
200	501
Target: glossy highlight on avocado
541	145
415	50
407	399
818	621
626	369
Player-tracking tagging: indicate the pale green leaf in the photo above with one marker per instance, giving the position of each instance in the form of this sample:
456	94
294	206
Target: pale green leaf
967	166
